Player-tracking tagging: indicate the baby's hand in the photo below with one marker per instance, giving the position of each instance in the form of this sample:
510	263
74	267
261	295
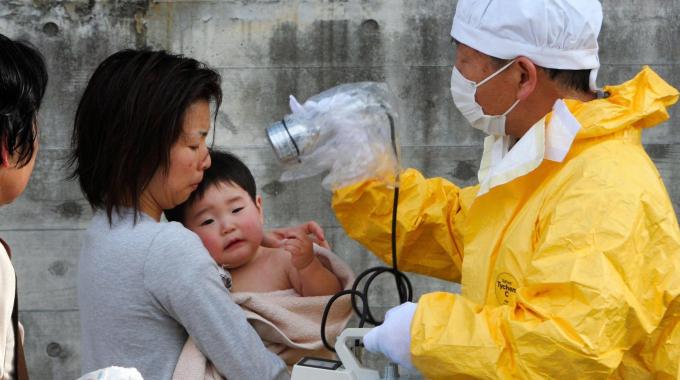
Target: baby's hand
275	238
300	247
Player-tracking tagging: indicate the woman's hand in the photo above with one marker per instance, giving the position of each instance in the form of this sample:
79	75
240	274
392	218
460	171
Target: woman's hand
275	238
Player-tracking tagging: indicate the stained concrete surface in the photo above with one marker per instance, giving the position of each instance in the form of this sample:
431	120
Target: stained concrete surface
266	50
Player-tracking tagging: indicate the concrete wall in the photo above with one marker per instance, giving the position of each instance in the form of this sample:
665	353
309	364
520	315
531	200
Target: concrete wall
266	50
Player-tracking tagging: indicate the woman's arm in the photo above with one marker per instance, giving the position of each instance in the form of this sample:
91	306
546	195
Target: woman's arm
182	276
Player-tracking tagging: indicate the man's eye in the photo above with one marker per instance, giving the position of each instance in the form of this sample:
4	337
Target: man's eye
194	147
237	210
206	222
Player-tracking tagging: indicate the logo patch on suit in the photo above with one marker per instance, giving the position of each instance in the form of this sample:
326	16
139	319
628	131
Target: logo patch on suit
506	288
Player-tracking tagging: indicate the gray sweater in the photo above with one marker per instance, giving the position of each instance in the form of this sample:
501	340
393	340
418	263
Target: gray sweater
143	287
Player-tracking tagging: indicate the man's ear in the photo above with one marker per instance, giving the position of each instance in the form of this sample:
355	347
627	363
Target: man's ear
528	77
258	204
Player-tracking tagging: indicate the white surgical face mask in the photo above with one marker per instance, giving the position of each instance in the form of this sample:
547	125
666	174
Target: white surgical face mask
463	92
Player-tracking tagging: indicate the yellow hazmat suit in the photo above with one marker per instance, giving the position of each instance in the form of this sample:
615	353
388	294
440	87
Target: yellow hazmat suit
569	272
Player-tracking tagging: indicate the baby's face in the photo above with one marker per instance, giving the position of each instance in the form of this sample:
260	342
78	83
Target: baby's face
228	222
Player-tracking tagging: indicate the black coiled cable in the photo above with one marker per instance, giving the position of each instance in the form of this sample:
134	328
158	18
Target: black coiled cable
403	284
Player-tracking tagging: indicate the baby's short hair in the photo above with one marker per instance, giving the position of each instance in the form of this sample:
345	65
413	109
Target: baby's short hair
225	168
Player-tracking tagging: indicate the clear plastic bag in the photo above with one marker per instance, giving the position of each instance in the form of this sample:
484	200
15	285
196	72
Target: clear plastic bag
349	130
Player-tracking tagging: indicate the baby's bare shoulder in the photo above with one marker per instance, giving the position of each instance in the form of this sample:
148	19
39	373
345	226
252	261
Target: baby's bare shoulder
275	256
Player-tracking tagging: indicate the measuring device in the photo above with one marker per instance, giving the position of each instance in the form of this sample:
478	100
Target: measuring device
347	368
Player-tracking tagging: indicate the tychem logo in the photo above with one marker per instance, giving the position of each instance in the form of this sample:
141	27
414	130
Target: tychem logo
506	287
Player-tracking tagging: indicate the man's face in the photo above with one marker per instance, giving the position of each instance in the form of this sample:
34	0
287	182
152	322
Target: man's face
498	94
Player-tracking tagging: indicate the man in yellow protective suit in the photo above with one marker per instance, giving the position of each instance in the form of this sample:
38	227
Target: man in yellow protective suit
568	251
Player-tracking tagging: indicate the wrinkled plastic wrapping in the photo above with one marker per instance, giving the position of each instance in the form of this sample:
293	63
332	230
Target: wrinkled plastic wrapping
347	131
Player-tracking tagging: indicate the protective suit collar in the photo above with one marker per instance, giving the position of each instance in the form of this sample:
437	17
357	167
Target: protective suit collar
549	140
641	102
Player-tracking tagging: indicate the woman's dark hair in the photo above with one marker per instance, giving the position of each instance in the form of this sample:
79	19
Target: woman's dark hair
225	168
23	79
128	119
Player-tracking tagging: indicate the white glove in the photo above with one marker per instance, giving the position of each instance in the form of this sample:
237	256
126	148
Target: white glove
393	337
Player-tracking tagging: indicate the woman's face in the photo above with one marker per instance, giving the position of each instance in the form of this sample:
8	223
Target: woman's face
188	160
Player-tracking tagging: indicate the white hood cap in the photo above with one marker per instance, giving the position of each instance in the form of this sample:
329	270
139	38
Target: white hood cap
555	34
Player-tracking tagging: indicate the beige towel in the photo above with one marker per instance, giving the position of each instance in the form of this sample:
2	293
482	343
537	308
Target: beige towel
193	365
288	324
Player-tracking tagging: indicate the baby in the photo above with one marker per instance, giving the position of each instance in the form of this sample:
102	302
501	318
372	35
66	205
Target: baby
227	215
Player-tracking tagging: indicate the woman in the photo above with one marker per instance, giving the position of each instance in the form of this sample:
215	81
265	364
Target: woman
145	286
23	78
